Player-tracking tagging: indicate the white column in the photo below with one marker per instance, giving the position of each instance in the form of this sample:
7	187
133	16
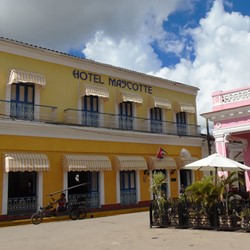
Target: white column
101	185
39	186
5	193
138	186
118	194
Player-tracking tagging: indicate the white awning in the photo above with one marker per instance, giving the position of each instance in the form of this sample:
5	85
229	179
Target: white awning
165	163
16	162
157	102
183	107
86	162
125	96
182	161
89	89
130	163
17	76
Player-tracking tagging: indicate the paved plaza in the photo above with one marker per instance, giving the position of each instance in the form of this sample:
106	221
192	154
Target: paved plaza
123	232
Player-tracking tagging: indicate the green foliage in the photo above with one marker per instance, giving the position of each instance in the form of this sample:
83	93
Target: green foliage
203	192
156	183
224	185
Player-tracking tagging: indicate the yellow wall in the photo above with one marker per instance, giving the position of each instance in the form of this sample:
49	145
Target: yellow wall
61	88
55	148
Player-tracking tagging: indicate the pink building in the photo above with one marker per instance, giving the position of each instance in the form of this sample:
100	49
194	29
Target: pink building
231	118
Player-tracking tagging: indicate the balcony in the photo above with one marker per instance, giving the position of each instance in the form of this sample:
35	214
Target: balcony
23	111
77	117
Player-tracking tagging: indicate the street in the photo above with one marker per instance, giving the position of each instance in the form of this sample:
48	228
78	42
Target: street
123	232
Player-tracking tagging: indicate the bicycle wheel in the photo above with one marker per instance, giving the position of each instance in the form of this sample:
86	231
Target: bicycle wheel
36	218
73	214
82	212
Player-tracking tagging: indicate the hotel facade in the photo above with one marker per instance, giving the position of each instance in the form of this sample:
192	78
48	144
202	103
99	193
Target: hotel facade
66	121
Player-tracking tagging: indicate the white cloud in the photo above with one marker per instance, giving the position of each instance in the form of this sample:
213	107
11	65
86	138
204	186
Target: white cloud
63	24
222	44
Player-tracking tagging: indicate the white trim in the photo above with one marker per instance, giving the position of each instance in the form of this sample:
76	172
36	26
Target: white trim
26	128
168	183
118	188
138	187
101	188
5	193
39	189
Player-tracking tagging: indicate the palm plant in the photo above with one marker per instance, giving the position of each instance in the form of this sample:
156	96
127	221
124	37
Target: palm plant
203	192
156	184
224	185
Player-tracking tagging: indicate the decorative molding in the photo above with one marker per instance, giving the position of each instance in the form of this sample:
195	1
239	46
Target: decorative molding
236	96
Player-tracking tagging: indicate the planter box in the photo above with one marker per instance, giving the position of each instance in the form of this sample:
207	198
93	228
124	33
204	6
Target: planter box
229	222
245	223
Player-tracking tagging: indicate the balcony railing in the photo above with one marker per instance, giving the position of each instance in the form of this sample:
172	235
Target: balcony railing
121	122
24	111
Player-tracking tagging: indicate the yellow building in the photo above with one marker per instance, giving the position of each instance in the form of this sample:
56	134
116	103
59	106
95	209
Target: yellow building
65	121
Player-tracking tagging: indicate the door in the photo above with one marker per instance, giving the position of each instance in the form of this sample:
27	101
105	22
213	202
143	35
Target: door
22	101
156	120
90	111
126	115
181	122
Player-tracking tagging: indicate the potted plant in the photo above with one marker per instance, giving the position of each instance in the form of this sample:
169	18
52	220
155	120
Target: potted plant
245	219
157	182
202	195
228	218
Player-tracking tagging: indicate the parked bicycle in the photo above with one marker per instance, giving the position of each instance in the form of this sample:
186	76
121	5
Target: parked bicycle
76	211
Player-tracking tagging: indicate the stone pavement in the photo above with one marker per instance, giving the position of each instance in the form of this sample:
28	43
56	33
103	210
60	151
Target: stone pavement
123	232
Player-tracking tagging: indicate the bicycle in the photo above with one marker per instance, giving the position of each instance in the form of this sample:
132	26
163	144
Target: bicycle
76	211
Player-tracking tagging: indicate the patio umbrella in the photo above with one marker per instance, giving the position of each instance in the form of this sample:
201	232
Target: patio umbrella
216	162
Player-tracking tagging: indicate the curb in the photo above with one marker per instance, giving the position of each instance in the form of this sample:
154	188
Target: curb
63	218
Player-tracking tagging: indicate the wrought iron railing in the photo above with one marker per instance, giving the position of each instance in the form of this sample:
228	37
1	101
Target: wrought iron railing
22	205
25	111
128	197
120	122
91	200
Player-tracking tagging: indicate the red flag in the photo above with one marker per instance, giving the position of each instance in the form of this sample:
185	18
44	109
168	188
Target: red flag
161	152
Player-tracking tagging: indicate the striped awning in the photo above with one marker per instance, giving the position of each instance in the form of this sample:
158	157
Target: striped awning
157	102
16	162
125	96
182	161
17	76
129	163
183	107
86	162
89	89
165	163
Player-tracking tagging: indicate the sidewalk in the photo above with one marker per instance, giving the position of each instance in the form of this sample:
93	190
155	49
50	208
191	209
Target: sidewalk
63	218
127	231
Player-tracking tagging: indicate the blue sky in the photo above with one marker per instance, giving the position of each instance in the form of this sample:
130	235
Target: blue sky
203	43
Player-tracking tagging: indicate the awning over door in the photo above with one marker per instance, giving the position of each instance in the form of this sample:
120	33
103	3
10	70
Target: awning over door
125	96
130	163
183	107
17	76
157	102
89	89
165	163
182	161
25	162
86	162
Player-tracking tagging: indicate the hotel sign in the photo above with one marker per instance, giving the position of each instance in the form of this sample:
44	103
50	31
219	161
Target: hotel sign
114	82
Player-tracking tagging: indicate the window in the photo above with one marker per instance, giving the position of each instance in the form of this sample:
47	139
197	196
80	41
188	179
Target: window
128	187
181	120
156	120
186	177
22	101
22	192
126	115
90	189
90	108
